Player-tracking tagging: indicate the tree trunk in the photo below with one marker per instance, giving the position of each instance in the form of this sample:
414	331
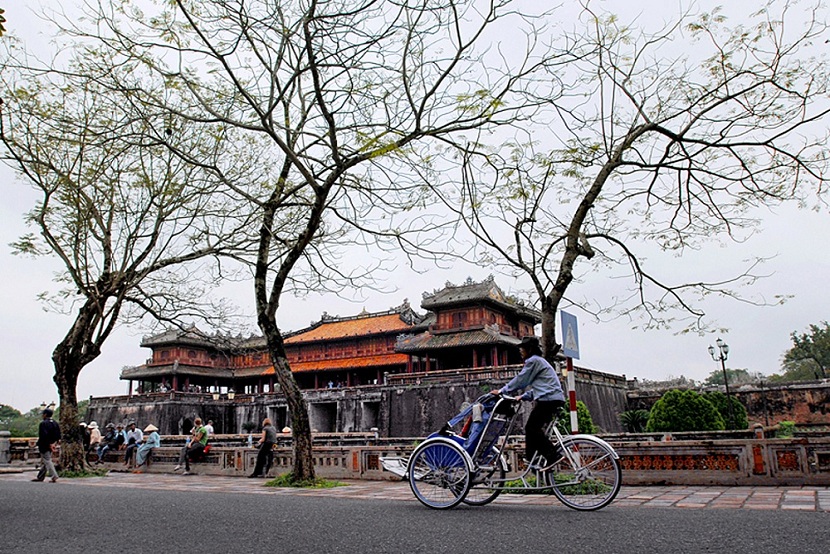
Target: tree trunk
300	427
548	339
70	356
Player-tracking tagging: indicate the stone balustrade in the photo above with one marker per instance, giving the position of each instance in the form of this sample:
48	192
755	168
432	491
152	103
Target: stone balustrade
725	462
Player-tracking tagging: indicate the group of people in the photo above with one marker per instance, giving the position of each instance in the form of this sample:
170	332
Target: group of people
136	444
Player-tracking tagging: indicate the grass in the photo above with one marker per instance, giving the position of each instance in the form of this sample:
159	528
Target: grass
285	480
67	474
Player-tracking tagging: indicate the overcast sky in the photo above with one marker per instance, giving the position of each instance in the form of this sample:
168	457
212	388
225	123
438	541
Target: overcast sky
758	336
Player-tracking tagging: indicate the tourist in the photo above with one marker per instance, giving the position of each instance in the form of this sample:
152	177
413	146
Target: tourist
48	437
134	436
195	448
94	437
540	383
113	440
151	440
266	443
84	432
209	428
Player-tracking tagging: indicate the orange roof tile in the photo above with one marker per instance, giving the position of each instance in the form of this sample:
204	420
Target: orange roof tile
351	328
345	363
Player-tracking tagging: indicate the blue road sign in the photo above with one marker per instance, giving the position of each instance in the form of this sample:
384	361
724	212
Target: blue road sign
570	335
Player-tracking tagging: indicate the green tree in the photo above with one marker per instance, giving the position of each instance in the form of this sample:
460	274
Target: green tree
115	206
348	99
7	414
736	377
583	418
660	137
684	410
720	401
25	425
809	357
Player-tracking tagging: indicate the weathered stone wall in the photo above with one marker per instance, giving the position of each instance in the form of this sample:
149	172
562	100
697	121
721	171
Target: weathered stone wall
418	410
413	410
804	403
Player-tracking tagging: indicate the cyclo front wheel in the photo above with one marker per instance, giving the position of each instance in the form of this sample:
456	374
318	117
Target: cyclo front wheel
439	473
588	477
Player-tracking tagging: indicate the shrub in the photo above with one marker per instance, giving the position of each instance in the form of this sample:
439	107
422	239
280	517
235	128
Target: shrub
684	411
634	421
583	419
786	429
721	402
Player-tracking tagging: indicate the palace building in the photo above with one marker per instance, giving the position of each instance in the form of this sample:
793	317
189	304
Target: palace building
465	326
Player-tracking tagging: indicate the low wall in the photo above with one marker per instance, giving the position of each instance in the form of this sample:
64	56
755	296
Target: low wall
728	462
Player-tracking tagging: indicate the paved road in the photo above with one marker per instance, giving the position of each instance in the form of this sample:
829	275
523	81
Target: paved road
167	513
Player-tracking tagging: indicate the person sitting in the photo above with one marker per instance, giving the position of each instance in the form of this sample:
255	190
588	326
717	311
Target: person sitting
266	443
196	447
113	439
134	438
94	437
150	440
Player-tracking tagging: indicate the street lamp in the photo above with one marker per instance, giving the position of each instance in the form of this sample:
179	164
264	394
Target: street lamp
723	353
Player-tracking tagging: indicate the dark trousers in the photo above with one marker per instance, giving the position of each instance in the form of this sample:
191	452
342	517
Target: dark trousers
129	454
264	459
535	438
188	453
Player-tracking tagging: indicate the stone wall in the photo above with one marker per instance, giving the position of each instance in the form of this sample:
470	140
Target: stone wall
805	403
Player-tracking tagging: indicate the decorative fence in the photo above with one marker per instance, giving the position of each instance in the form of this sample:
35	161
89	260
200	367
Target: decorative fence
798	461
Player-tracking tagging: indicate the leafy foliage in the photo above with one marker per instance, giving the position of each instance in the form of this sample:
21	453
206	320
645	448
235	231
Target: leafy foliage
786	429
684	411
809	357
721	402
634	421
735	376
19	424
583	418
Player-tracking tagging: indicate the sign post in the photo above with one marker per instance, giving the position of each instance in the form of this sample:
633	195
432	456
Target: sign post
570	348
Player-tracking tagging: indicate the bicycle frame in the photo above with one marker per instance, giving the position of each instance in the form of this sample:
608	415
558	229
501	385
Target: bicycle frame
543	479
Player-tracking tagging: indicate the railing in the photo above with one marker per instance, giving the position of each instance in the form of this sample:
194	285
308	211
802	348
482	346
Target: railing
800	461
496	373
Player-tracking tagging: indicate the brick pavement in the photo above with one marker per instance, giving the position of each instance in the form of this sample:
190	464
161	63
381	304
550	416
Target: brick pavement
804	498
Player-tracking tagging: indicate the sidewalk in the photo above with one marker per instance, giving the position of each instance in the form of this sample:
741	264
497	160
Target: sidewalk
751	498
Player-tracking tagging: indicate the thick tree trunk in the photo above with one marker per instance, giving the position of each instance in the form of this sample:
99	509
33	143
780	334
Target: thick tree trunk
548	339
70	356
300	426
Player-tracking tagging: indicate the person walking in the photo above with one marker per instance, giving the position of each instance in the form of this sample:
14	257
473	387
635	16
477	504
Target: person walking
48	439
540	383
266	443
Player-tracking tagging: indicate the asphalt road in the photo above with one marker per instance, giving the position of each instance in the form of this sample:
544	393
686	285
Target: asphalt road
44	518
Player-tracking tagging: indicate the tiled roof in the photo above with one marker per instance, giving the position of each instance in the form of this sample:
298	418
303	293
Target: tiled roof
144	371
428	341
345	363
351	327
471	292
192	336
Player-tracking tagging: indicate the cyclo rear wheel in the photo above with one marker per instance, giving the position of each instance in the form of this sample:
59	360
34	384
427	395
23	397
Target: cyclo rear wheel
483	490
592	480
439	473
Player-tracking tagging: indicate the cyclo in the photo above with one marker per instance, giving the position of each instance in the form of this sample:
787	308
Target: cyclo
470	466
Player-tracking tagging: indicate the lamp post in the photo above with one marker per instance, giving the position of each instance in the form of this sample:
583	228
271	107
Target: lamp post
723	353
